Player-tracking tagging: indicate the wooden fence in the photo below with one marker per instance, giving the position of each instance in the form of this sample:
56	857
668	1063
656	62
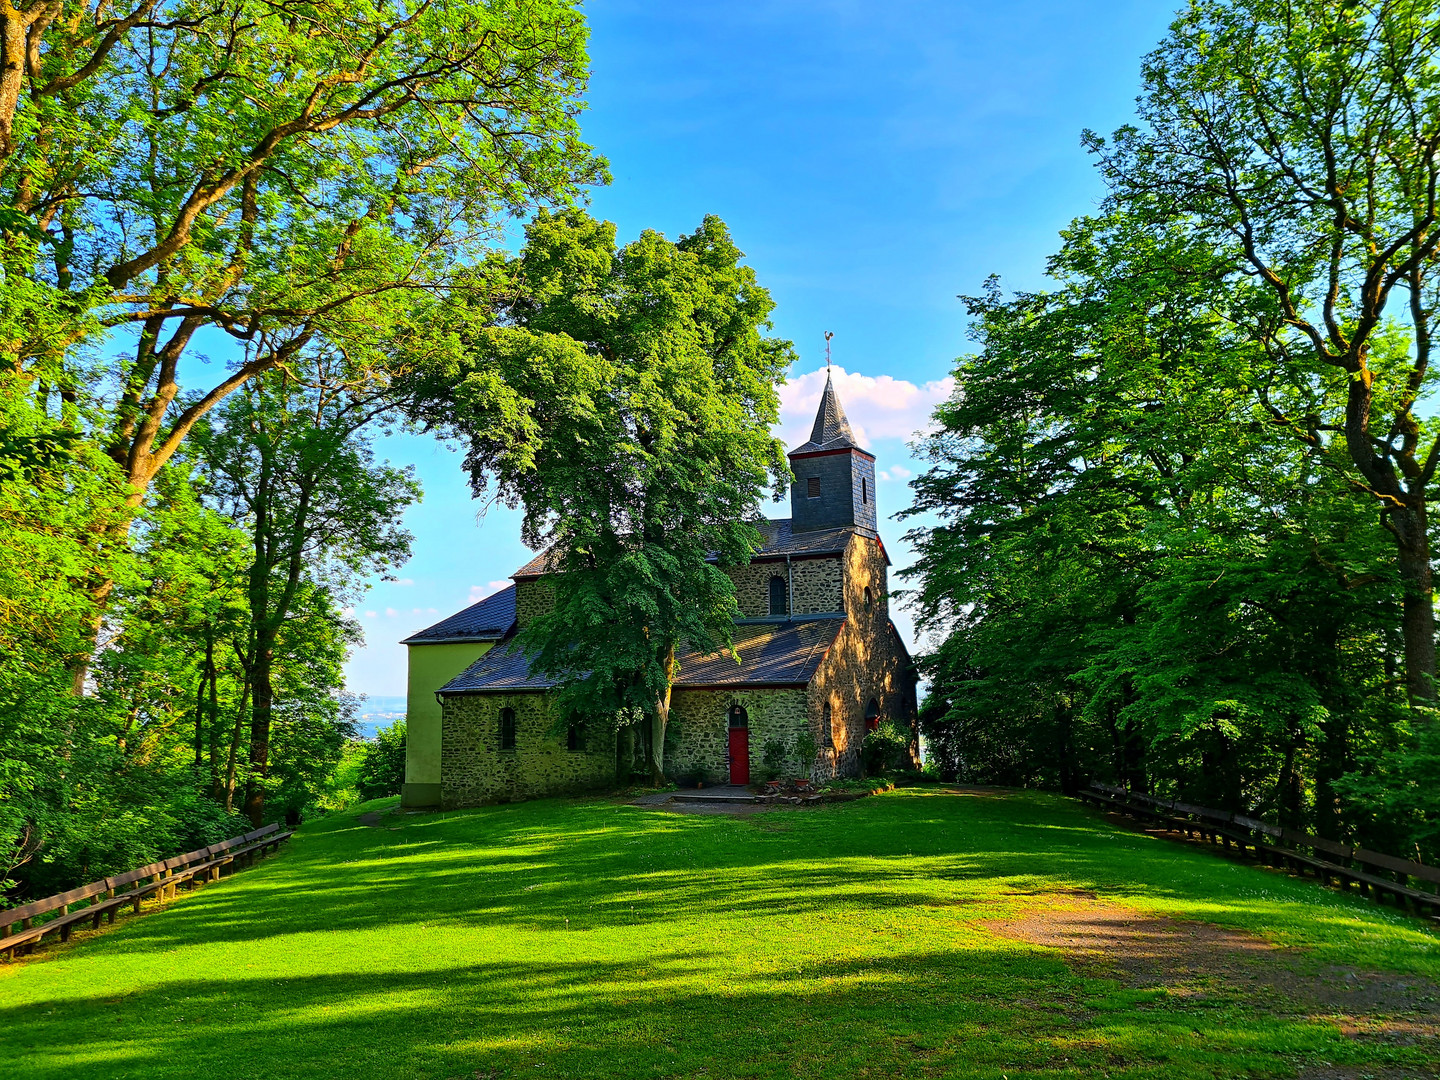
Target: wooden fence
102	899
1375	873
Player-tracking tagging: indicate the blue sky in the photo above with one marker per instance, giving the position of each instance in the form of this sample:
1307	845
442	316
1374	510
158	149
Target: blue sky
872	160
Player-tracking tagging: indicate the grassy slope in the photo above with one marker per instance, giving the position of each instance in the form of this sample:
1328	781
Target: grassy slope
588	939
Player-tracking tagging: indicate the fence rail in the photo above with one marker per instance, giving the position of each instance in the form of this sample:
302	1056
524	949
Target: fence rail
103	898
1378	875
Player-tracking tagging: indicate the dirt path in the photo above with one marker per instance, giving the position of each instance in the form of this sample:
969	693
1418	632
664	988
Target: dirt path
1200	960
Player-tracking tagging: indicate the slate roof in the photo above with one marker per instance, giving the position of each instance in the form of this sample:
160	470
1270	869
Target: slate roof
775	653
489	620
542	563
831	430
779	539
501	670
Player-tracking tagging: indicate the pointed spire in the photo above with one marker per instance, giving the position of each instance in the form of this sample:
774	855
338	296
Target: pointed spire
831	430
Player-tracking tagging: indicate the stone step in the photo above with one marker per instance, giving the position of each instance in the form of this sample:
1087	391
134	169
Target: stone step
683	796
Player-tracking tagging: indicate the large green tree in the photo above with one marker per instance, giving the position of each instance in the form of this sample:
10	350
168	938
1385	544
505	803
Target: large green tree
290	461
1138	574
624	397
256	180
1298	141
275	172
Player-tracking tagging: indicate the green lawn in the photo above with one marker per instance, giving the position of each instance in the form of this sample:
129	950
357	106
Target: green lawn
588	939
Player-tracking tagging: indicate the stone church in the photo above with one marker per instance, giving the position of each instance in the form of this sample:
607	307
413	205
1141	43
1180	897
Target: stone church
818	653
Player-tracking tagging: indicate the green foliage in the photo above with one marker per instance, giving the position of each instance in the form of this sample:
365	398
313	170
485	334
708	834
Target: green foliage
1265	138
382	764
862	937
772	761
290	182
886	750
805	751
292	463
1158	559
624	398
302	190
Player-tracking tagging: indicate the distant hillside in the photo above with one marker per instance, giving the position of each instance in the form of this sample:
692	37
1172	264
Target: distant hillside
378	711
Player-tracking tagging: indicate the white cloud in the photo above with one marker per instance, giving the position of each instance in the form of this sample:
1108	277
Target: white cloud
347	612
895	472
370	615
480	592
878	406
404	581
391	613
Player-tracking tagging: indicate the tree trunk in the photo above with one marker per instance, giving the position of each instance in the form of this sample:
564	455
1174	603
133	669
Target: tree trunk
200	708
624	753
1333	762
1289	789
659	719
214	722
235	744
262	709
1065	723
1418	612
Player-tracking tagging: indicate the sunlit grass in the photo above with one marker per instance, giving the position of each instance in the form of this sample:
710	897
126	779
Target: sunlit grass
590	939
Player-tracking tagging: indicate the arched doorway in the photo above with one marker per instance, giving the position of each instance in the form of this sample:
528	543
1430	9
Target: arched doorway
872	715
739	745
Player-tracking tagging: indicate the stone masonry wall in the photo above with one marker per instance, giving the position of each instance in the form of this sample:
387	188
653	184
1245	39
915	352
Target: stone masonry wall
867	661
818	586
698	742
532	598
474	770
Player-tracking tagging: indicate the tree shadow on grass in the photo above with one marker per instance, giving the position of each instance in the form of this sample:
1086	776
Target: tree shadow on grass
557	864
979	1011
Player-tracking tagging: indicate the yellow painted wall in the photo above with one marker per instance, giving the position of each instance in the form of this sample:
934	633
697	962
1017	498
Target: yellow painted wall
431	667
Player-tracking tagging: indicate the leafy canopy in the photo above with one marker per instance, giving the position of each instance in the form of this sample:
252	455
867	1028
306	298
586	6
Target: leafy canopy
624	398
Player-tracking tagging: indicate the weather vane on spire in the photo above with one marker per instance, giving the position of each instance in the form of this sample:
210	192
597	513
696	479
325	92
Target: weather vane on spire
828	335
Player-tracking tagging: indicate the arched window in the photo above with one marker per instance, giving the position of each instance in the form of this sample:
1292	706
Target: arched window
827	730
872	715
864	490
507	729
869	598
739	718
575	738
778	606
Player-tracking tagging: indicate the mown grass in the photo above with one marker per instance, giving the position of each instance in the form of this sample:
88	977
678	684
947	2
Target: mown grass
591	939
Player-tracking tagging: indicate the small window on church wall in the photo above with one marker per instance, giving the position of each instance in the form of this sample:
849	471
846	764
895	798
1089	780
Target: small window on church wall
812	487
864	490
575	738
827	732
869	598
507	729
777	595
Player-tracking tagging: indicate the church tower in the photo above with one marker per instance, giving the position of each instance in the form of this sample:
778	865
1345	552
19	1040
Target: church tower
834	479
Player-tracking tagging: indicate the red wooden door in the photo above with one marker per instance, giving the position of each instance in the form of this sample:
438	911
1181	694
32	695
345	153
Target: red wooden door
739	755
